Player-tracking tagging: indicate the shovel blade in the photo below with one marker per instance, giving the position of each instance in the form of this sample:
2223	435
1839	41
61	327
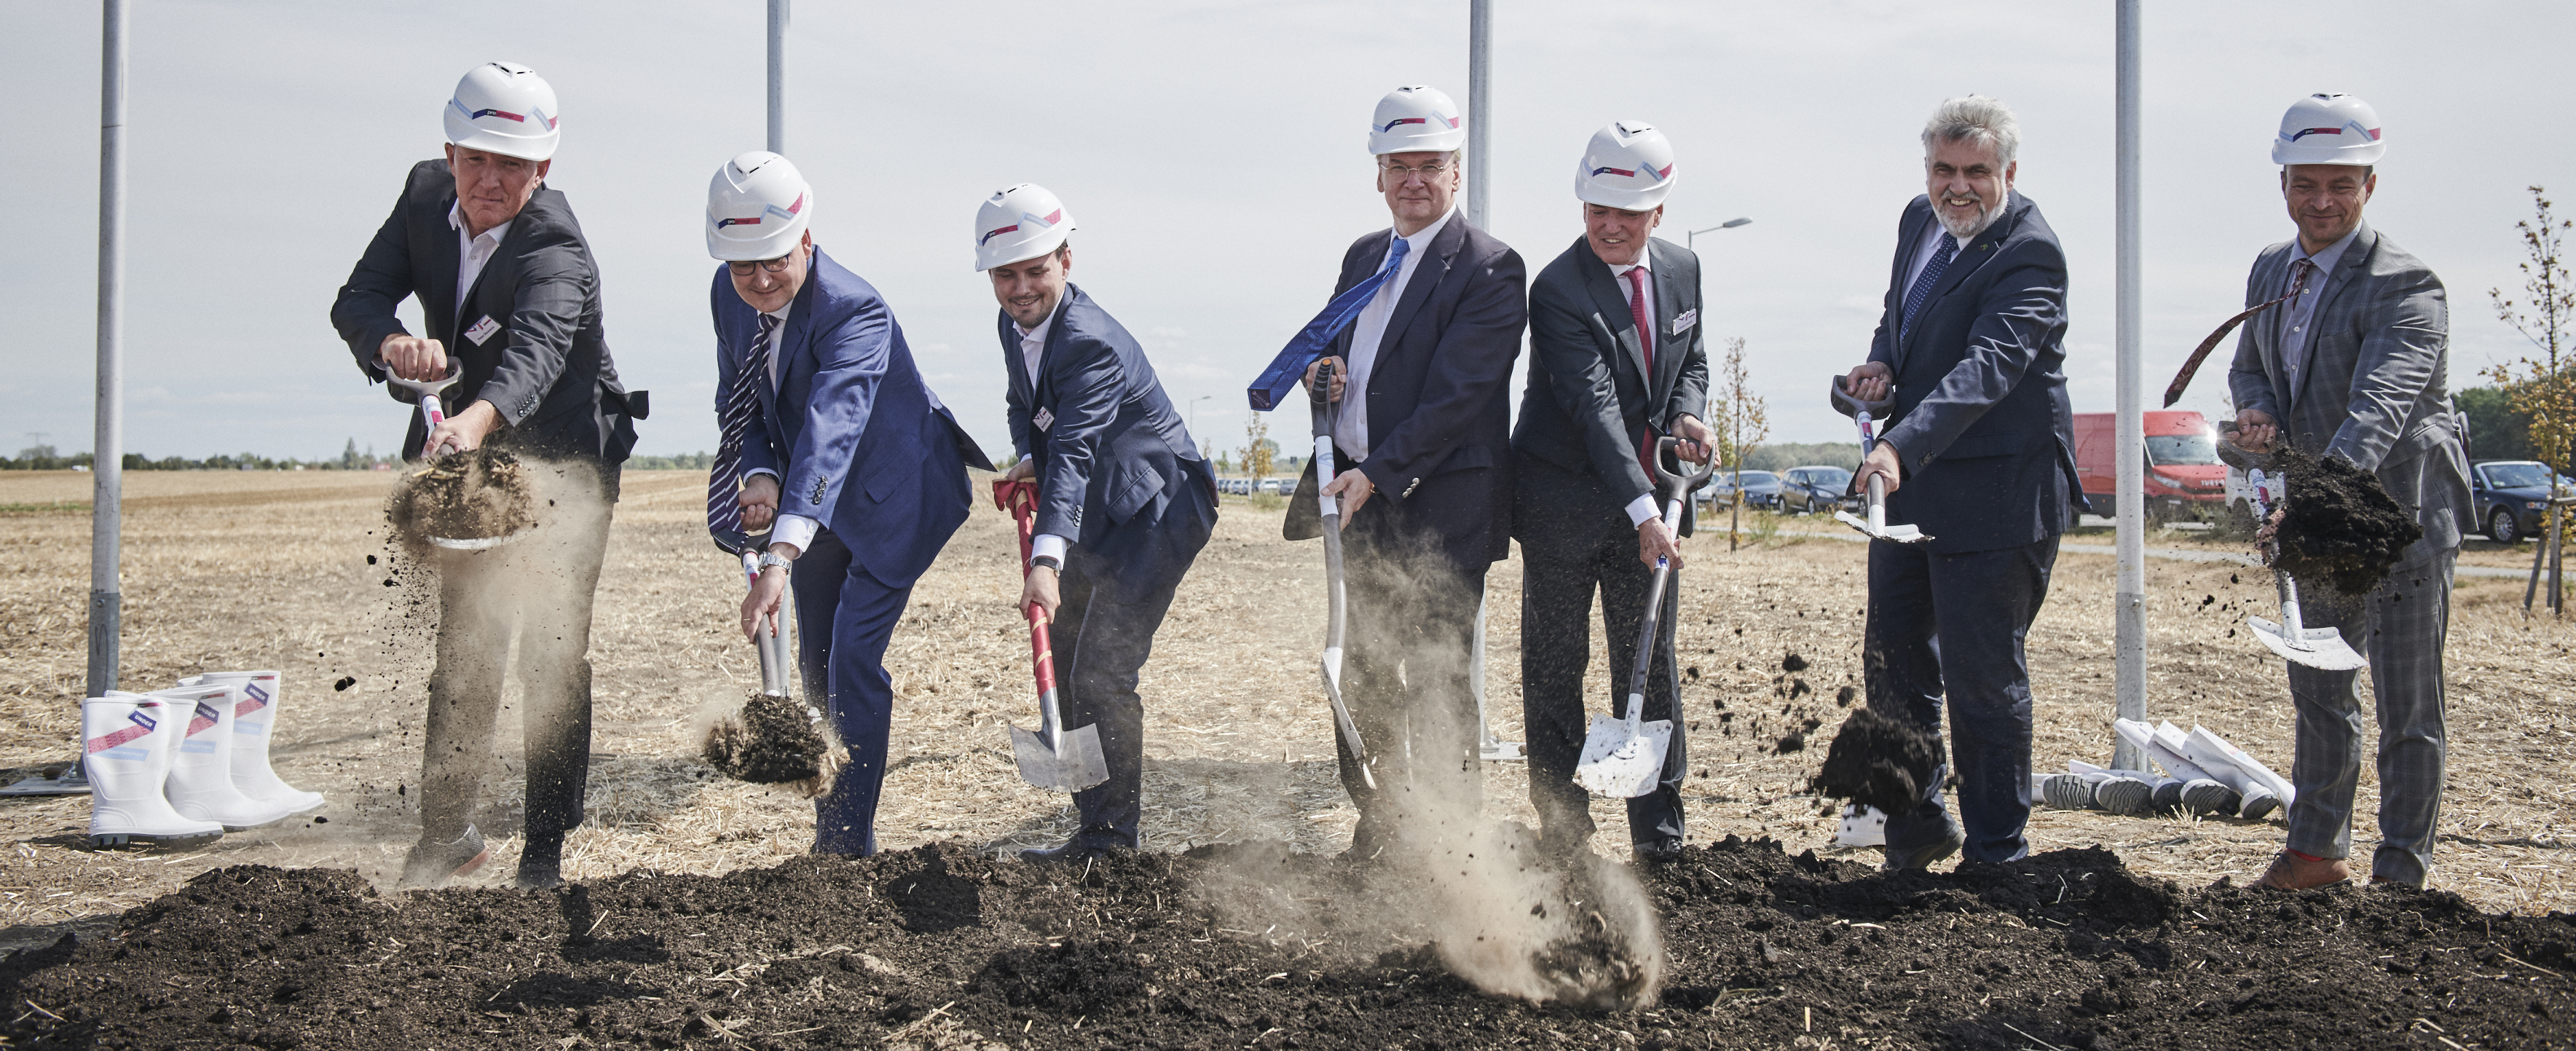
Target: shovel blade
1902	534
1621	765
2320	648
478	543
1079	765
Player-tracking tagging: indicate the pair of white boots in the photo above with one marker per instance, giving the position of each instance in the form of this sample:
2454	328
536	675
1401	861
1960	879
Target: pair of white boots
185	765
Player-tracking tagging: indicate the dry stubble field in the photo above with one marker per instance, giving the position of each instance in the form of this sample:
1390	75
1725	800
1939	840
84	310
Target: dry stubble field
238	570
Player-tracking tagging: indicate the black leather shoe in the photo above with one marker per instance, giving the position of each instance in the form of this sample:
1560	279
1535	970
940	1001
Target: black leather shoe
1923	856
1657	850
432	863
539	875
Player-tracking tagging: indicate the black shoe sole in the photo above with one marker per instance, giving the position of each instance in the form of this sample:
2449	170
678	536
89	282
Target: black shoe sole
113	840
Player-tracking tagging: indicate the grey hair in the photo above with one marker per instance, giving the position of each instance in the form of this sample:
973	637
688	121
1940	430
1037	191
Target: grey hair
1974	118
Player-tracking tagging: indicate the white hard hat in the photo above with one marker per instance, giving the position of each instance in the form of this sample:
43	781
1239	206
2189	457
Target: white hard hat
757	206
1627	165
504	107
1023	222
2329	128
1416	118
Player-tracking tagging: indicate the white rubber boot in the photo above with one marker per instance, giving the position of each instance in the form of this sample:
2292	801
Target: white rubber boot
252	718
201	776
127	743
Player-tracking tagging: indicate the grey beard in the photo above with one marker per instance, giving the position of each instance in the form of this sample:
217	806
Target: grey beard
1986	215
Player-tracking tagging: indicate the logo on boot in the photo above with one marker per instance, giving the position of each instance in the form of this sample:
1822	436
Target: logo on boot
205	717
143	725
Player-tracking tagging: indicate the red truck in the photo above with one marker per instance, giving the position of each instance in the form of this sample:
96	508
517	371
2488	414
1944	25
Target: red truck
2185	480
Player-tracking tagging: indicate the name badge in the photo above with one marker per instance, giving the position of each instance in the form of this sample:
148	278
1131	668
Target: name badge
1043	420
1684	320
483	330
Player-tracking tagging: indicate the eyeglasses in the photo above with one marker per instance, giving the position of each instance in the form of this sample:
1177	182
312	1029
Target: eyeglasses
742	267
1401	172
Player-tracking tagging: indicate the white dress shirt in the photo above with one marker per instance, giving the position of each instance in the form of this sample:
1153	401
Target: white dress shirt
2294	320
1350	430
1643	507
472	253
1032	348
796	531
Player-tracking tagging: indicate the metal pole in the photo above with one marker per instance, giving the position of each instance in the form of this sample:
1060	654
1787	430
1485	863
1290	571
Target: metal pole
1480	110
2129	598
107	464
778	76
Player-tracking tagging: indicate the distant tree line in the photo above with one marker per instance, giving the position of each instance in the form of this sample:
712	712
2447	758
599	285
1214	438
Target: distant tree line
2497	431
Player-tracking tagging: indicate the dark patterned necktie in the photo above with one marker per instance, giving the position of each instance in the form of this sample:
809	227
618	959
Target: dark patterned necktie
1922	290
1312	340
1646	347
742	402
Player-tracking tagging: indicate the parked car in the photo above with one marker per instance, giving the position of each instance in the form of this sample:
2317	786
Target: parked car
1761	489
1817	489
2185	479
2511	497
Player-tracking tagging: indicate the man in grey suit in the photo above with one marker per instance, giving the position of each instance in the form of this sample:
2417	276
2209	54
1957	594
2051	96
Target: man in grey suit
2352	365
1615	335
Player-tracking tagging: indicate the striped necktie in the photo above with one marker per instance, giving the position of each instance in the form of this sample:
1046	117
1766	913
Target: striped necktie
1922	290
742	402
1318	335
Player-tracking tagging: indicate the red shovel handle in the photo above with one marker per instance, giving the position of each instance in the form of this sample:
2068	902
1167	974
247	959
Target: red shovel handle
1020	498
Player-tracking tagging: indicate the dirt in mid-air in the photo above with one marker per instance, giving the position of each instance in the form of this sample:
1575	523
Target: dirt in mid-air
1878	761
478	495
943	947
773	740
2339	525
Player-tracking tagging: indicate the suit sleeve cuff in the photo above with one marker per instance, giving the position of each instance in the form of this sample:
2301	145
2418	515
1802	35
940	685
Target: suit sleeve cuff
796	531
1641	509
1048	545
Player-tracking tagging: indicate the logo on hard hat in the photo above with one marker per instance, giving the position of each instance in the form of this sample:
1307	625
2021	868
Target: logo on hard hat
788	212
1452	122
516	118
993	233
1049	219
1660	174
2355	125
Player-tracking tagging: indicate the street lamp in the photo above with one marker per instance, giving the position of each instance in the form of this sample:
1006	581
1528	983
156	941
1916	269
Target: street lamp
1689	239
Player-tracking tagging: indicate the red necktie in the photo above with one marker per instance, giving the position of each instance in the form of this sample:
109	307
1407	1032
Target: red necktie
1646	346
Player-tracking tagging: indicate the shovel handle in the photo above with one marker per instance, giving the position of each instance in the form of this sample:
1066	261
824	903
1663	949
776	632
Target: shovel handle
1020	499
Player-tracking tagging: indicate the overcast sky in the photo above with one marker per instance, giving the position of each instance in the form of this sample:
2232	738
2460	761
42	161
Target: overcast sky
1213	154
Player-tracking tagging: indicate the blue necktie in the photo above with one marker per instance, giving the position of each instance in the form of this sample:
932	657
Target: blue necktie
1318	335
1922	289
724	488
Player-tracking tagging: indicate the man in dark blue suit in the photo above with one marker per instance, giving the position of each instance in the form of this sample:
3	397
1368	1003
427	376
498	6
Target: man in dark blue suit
1981	438
1124	504
843	455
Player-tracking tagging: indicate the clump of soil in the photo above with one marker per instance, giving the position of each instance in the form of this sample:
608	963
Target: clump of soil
1880	762
476	495
2340	525
1793	663
946	947
773	741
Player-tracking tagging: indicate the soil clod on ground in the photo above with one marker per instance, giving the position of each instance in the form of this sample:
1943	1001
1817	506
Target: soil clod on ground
945	947
2339	525
773	741
476	495
1880	762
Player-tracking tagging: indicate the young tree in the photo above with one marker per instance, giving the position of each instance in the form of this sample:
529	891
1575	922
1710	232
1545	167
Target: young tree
2543	387
1258	448
1741	420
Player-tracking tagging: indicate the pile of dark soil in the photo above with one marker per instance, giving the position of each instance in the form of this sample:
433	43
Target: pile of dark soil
772	741
1878	761
2340	524
473	495
943	948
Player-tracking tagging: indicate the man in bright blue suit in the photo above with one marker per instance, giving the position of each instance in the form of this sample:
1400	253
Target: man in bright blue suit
1124	504
1971	345
835	446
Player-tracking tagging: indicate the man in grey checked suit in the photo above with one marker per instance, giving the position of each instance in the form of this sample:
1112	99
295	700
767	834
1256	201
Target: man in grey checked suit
2353	366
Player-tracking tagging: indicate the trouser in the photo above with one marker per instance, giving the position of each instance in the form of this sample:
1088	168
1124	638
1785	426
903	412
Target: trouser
1556	646
1110	606
1952	625
540	588
1412	623
2400	627
844	619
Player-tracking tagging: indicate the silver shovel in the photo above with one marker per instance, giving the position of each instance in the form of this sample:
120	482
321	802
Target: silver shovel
1875	526
2321	648
1337	604
433	411
1623	758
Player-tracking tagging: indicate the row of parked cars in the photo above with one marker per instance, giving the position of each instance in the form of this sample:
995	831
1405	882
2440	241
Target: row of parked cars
1801	490
1255	486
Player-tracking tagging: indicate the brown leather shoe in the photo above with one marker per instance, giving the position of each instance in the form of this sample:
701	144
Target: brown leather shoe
2291	872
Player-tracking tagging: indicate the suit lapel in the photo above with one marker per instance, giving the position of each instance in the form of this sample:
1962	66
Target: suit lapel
1426	279
1668	306
800	330
1613	306
1055	337
443	255
1356	269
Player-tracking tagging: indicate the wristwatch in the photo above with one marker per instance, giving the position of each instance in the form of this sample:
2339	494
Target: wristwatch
770	558
1049	561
